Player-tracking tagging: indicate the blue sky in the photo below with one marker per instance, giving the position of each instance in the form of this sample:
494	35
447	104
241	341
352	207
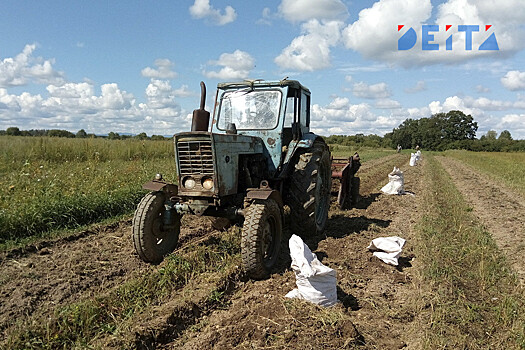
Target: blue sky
135	66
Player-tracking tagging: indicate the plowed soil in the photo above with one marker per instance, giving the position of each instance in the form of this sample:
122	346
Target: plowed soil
375	310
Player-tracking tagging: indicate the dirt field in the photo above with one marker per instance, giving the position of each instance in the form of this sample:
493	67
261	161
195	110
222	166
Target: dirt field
376	309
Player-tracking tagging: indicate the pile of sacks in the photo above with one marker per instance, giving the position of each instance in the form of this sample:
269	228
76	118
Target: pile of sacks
396	183
415	157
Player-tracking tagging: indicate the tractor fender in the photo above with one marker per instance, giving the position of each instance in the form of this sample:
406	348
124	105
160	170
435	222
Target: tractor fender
159	185
307	141
264	193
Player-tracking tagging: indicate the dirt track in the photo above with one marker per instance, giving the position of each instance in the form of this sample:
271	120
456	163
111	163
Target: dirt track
375	298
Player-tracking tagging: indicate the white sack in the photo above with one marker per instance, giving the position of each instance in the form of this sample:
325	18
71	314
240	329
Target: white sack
388	249
315	281
413	159
396	183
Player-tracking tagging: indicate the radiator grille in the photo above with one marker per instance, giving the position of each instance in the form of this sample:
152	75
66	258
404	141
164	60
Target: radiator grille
195	157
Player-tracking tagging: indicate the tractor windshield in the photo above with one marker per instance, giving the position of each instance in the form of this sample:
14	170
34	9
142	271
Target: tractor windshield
249	109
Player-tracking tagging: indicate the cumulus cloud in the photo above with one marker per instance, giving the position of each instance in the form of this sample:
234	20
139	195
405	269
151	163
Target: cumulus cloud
374	91
163	70
375	33
236	65
340	116
420	86
202	9
514	80
311	51
24	68
304	10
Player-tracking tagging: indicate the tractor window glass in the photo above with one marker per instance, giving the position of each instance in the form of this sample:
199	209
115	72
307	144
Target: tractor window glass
290	111
249	109
305	113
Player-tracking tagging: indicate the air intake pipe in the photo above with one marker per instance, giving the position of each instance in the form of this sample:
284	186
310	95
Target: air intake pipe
201	117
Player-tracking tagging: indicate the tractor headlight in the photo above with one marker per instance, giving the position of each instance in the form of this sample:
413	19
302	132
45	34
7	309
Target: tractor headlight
188	182
207	183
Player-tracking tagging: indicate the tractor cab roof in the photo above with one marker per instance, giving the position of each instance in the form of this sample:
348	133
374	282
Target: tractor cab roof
263	83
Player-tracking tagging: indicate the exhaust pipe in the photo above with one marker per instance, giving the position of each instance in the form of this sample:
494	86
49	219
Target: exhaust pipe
201	117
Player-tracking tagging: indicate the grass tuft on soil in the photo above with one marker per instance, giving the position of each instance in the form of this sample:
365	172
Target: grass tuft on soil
84	323
473	300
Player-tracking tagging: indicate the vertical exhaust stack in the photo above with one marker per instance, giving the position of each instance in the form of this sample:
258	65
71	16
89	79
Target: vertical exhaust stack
201	117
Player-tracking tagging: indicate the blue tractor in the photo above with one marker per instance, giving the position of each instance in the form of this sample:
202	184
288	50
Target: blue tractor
257	157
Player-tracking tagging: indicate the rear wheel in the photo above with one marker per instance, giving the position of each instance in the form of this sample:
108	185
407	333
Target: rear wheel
151	238
261	238
309	194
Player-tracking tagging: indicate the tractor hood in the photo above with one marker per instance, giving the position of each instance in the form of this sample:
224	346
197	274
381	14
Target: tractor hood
208	163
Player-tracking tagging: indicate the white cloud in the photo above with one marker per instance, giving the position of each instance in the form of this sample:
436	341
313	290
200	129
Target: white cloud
236	65
311	51
163	70
159	94
24	69
304	10
375	34
375	91
266	17
514	80
342	117
203	9
482	89
420	86
387	103
515	123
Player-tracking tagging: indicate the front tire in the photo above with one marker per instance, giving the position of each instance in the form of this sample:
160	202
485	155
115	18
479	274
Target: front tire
261	238
309	196
152	240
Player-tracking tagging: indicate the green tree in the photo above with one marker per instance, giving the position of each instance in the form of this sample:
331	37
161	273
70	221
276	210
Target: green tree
491	135
436	132
113	136
81	134
13	131
141	136
505	135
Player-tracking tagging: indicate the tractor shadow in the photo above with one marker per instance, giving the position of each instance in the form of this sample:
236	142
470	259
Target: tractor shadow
365	201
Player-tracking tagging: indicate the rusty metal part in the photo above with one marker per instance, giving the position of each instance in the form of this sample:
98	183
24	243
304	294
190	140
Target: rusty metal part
201	117
156	185
264	193
344	169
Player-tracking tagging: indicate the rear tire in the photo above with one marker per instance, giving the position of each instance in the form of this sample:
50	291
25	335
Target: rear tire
261	238
151	240
309	196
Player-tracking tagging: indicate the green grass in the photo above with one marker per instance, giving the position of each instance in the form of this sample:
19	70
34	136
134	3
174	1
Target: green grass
365	153
48	184
473	299
506	167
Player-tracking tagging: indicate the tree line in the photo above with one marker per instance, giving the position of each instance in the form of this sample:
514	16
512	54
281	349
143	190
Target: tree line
81	134
439	132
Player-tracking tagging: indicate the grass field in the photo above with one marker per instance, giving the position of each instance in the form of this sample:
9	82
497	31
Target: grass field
508	168
51	183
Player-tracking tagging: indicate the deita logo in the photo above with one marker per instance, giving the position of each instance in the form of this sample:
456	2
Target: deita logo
409	39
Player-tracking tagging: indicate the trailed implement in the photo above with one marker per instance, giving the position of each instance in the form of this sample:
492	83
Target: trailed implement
344	170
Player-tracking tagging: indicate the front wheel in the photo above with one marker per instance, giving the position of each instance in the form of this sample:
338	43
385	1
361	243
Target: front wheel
261	238
151	237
